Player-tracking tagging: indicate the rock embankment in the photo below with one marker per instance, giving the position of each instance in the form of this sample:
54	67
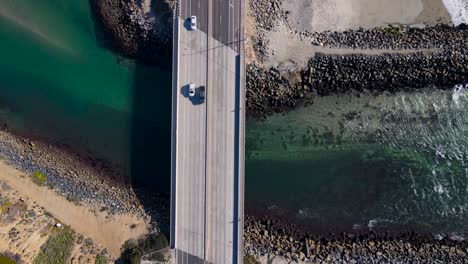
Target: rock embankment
83	180
263	237
391	72
126	27
269	91
415	58
267	15
392	37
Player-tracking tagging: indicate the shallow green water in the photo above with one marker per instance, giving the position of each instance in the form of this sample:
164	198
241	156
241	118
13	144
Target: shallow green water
365	162
57	82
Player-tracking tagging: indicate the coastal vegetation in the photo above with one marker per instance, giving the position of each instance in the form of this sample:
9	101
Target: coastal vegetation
4	205
10	258
101	259
73	198
393	29
39	177
250	259
6	260
133	250
57	248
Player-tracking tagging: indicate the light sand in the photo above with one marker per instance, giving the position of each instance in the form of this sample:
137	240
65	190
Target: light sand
109	231
339	15
250	32
146	6
31	233
287	48
25	227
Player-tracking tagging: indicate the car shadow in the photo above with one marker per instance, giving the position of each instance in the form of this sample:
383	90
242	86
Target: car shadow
195	100
187	24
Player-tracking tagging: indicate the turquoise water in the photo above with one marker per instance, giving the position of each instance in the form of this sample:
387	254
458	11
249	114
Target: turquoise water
57	82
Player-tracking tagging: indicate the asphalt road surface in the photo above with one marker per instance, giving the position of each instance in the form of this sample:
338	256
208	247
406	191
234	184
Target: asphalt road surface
208	133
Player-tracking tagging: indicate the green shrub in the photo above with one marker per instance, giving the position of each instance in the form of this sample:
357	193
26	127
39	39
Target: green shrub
7	257
131	253
158	256
40	178
57	248
100	259
249	259
133	250
73	198
4	206
6	260
391	29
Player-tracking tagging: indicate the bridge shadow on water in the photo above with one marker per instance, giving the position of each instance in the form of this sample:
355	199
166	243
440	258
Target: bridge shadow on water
150	139
150	122
150	135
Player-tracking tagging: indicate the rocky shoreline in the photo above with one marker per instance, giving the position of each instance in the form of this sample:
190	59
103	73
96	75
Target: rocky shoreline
390	58
265	237
83	180
136	32
418	61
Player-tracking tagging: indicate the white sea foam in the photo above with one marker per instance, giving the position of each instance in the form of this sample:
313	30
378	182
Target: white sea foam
378	221
460	90
458	10
438	188
456	237
357	227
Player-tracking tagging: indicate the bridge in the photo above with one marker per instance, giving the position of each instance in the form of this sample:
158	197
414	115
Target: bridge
207	178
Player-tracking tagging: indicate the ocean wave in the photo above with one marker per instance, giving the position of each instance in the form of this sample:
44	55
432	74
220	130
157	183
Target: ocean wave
373	223
459	91
452	236
458	10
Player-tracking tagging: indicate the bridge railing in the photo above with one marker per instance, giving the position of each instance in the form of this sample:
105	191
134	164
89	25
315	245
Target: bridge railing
176	8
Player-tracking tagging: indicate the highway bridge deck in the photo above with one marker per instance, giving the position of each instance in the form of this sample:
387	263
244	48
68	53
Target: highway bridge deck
208	133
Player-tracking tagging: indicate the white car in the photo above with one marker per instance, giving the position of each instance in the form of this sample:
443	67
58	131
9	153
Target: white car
192	90
193	23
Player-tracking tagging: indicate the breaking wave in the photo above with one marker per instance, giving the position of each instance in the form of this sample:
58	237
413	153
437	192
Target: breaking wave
458	10
395	158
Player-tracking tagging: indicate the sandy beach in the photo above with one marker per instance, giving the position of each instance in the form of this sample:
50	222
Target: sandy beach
339	15
75	193
108	230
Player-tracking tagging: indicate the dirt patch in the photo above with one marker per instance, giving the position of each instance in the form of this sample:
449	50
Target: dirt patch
110	231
